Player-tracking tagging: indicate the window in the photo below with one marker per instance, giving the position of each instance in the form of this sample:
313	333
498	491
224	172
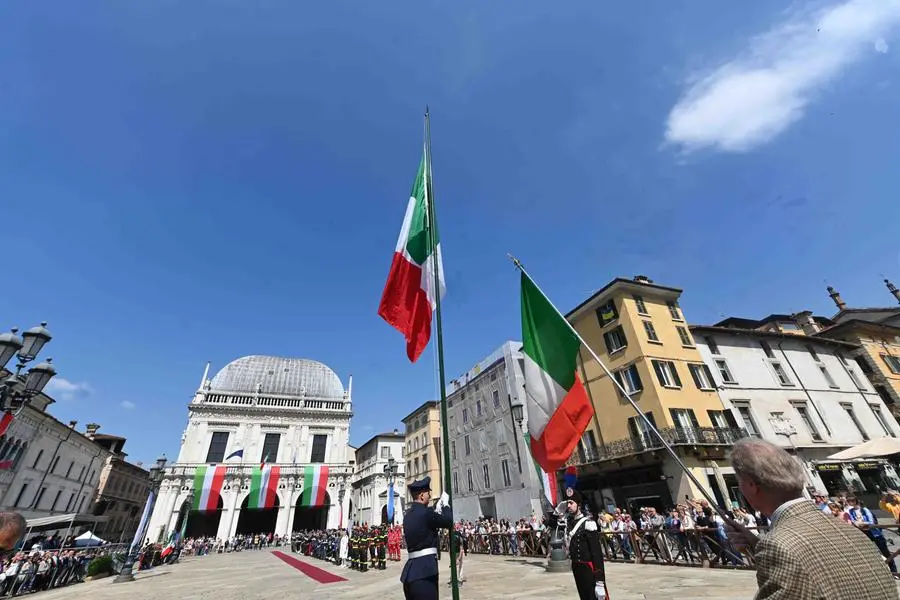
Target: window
721	419
807	420
81	473
501	432
780	373
686	426
851	372
496	395
494	375
55	501
702	377
589	444
651	331
53	468
685	336
673	310
666	373
21	493
465	415
767	348
712	345
892	362
813	353
504	470
641	307
453	450
879	416
424	462
748	421
827	376
607	313
468	446
217	445
615	340
788	325
69	470
455	482
629	379
416	465
71	500
40	496
487	476
471	480
270	447
640	433
850	413
318	448
724	372
478	408
37	459
81	502
385	452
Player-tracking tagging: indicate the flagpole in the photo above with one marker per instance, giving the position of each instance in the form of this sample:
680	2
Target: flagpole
432	229
628	397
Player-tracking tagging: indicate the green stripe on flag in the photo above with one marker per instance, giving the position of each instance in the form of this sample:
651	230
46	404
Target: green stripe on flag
308	473
199	478
547	338
255	483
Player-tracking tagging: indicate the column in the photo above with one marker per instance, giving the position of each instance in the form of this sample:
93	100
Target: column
281	521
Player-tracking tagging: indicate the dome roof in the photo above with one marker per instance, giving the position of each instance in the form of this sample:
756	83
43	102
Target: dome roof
277	375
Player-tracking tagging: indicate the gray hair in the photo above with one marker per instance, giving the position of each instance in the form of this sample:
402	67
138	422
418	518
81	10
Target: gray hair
12	521
769	466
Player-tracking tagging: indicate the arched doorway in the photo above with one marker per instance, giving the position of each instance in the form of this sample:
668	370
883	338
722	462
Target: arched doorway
311	517
200	523
257	520
384	515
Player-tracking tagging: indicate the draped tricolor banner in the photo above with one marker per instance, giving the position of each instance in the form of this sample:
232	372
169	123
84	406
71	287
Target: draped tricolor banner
263	485
315	480
208	487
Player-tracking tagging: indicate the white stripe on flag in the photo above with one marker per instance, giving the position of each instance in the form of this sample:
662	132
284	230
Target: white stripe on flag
207	487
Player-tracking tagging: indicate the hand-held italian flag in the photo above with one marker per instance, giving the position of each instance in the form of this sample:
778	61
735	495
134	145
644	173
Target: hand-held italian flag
263	486
409	296
315	482
208	487
559	409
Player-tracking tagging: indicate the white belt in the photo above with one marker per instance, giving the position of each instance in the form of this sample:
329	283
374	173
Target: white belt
421	553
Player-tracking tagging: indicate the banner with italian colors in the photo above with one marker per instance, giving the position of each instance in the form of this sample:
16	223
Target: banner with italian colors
263	486
315	481
208	487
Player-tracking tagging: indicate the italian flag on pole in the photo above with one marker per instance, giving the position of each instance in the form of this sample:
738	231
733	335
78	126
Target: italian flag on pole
409	296
315	480
208	487
559	409
263	486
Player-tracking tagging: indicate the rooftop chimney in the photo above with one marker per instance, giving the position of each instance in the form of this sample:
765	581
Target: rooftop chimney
396	432
838	301
72	424
893	289
807	323
90	430
642	279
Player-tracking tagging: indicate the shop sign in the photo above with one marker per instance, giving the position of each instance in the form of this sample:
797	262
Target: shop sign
829	467
868	466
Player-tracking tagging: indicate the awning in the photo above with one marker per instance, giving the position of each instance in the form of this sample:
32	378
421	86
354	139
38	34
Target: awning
884	446
60	521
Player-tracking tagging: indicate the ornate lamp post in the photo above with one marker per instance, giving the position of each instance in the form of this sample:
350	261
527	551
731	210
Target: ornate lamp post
15	390
156	477
390	471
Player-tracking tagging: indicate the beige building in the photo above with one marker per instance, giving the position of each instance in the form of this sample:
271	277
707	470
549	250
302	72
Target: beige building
422	445
121	492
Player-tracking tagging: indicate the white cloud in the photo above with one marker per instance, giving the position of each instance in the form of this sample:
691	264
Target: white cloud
128	405
755	97
881	46
63	389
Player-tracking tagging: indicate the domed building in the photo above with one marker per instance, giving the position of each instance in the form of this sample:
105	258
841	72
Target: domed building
266	450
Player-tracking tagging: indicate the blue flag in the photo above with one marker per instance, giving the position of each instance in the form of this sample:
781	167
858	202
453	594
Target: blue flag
390	502
237	453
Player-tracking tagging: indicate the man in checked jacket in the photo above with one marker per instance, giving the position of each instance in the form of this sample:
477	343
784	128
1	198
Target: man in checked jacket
806	555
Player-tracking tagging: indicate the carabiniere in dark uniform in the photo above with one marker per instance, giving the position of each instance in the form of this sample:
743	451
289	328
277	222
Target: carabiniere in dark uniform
420	528
585	550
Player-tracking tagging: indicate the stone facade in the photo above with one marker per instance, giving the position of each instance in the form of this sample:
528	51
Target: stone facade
370	482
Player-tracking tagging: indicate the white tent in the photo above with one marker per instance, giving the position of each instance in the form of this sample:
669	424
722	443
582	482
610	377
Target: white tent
89	539
885	446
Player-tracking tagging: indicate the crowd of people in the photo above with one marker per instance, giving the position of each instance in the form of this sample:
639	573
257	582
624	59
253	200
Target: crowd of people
361	548
36	569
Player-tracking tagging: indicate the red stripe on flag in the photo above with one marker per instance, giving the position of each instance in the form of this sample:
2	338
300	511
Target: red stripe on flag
5	421
404	305
216	488
272	487
321	485
564	429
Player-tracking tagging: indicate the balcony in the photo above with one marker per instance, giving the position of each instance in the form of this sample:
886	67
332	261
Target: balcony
287	470
674	436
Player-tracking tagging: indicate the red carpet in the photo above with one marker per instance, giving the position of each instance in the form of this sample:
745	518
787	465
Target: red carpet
320	575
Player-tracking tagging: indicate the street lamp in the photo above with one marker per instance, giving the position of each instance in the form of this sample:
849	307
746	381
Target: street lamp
156	476
16	390
390	471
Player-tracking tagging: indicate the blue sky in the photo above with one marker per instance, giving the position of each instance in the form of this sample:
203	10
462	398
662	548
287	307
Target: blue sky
184	182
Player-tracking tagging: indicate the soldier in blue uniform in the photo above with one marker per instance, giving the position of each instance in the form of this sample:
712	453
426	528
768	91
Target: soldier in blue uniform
420	528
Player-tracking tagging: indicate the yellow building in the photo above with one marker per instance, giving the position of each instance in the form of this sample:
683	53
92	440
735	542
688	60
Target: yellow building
423	445
639	331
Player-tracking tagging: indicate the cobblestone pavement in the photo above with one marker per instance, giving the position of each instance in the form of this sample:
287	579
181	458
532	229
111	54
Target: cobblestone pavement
259	574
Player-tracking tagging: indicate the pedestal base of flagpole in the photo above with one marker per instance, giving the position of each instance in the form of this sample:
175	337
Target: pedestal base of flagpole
125	575
557	565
